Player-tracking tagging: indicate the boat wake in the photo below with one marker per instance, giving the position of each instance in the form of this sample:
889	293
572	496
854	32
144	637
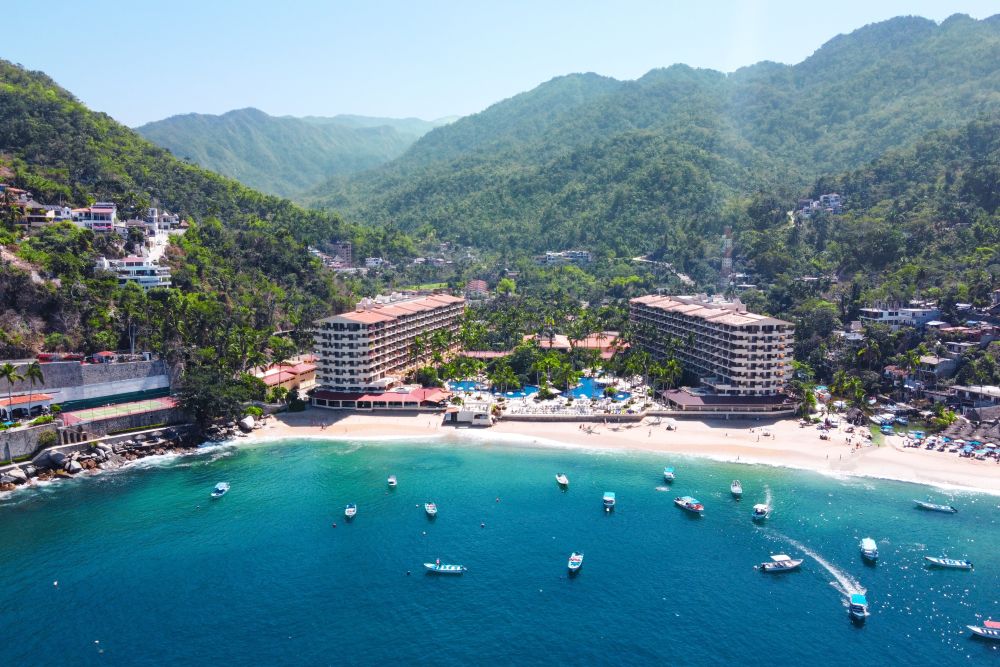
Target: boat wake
843	582
663	488
768	496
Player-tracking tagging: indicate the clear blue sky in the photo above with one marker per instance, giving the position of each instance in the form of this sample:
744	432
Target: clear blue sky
140	60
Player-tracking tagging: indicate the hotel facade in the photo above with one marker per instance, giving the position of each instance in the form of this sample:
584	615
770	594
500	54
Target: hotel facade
372	347
735	353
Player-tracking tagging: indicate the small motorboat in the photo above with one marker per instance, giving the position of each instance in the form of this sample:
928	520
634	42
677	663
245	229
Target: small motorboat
690	504
575	562
988	630
350	511
933	507
781	563
437	567
760	512
392	481
221	489
431	509
609	501
668	474
858	607
869	550
736	489
562	479
950	563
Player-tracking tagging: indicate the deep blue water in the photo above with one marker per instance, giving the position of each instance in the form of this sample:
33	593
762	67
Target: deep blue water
157	573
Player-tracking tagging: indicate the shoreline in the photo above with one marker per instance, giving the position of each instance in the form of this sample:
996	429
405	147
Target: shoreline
781	443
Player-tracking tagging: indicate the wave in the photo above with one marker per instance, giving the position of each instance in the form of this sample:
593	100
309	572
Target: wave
768	496
843	582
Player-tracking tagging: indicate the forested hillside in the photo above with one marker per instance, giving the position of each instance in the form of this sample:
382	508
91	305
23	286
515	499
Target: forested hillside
657	164
283	156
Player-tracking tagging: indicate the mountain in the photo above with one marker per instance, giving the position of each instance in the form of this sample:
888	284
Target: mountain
415	127
284	155
658	164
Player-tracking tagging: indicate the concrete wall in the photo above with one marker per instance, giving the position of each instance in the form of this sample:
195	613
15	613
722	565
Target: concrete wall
126	422
73	381
22	442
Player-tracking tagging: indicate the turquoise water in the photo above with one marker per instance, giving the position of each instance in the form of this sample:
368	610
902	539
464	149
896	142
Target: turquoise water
588	387
157	573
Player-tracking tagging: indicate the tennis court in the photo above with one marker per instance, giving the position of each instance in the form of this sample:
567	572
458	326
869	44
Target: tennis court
119	410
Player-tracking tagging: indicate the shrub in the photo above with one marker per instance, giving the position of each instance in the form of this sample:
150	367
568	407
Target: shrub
44	419
48	439
254	411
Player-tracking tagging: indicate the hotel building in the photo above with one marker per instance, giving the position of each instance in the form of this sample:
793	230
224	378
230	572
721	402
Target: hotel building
372	347
733	352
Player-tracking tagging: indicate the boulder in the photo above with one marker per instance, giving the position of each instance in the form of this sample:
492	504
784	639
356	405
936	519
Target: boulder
73	467
103	448
56	459
19	476
6	479
246	424
30	470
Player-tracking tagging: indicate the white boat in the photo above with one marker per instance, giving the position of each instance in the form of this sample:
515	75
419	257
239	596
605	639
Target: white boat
350	511
438	567
690	504
933	507
760	512
988	630
609	501
781	563
736	489
951	563
562	480
858	607
431	509
392	481
668	474
221	489
575	562
869	550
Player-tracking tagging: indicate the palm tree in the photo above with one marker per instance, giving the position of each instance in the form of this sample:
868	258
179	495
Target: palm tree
33	374
9	373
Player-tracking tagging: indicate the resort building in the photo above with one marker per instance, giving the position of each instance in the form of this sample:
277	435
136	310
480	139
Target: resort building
374	346
140	270
735	353
566	257
895	317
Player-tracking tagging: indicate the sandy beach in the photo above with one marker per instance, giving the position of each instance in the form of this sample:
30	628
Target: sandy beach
780	443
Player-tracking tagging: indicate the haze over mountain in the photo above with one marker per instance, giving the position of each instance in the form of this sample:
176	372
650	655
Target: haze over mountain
285	155
656	164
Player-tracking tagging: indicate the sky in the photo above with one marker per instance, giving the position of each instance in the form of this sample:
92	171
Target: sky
143	60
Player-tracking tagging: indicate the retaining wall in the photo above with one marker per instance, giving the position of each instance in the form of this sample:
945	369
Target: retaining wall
72	381
23	441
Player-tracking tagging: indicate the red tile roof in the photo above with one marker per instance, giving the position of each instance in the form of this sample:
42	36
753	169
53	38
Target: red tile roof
24	400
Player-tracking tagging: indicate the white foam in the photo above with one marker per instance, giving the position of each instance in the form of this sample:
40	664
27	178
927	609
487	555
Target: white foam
843	582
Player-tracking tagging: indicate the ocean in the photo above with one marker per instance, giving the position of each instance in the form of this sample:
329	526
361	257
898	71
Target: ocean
140	567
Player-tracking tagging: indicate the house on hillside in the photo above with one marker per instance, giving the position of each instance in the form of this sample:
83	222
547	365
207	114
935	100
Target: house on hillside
101	217
477	289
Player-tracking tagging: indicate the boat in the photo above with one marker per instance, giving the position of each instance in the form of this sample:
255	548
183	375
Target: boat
562	479
869	550
609	501
220	489
951	563
858	607
690	504
933	507
781	563
668	474
736	489
431	509
350	510
392	481
988	630
760	512
575	562
438	567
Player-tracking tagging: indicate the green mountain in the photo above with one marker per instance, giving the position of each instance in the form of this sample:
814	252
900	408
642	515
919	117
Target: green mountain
415	127
662	163
284	155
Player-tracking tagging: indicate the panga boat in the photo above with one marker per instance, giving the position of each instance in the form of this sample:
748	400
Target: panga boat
953	563
760	512
392	481
609	501
668	474
690	504
736	489
934	507
988	630
350	510
575	562
858	607
438	567
220	489
431	509
869	550
781	563
562	480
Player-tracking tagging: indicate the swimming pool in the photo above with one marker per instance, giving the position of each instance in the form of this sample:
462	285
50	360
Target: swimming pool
590	388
